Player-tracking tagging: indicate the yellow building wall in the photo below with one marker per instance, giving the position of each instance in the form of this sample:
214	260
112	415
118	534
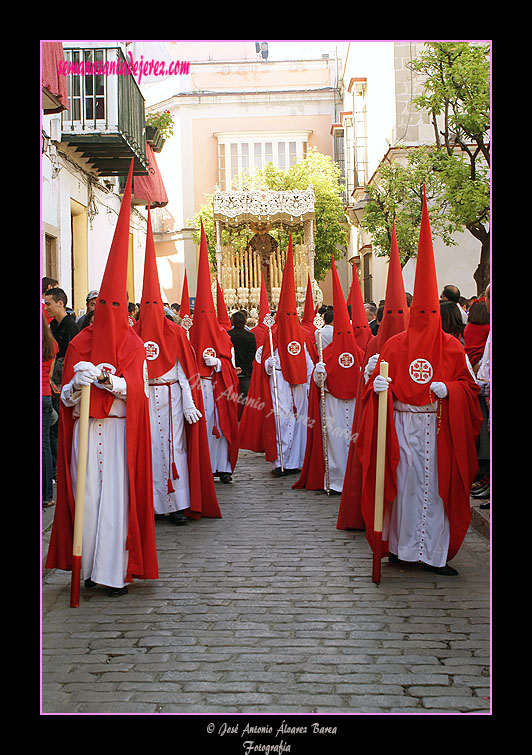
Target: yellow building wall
205	144
80	255
169	271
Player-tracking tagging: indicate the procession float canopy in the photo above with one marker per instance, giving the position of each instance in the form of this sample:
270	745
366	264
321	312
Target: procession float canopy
257	212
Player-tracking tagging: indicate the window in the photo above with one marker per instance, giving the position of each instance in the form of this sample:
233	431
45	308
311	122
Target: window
221	166
240	153
51	263
338	153
281	155
360	134
367	278
87	91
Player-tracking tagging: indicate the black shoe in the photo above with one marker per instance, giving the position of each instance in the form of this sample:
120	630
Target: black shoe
292	471
225	477
178	518
277	472
481	492
446	571
89	584
114	592
393	558
335	492
484	505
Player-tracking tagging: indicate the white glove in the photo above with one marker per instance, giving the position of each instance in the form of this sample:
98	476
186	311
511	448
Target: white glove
271	364
213	362
381	384
85	373
439	389
192	414
320	373
372	361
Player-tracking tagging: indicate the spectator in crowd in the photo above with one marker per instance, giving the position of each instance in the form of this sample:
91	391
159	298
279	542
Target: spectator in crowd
481	487
64	327
327	331
86	319
245	346
48	352
452	293
46	284
175	307
371	314
476	331
451	320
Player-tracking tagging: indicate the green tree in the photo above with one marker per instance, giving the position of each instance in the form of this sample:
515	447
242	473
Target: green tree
456	93
455	169
398	195
323	174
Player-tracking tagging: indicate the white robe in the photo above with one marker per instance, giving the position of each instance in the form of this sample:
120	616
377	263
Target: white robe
218	447
104	557
163	501
293	428
416	526
339	423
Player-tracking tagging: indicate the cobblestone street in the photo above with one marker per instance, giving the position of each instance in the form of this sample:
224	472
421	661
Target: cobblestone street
271	610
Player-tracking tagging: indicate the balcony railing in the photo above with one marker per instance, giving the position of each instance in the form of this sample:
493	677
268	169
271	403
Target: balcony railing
106	119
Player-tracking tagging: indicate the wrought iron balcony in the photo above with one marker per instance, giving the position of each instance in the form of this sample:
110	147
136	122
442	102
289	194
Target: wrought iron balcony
105	121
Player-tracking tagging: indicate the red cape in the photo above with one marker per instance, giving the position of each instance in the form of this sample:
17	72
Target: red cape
475	337
142	562
203	500
395	320
461	420
313	469
349	511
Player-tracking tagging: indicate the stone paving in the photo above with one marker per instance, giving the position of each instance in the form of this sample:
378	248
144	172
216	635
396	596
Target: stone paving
271	610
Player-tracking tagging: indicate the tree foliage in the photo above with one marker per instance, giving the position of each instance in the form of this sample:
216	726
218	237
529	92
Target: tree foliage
316	169
455	169
398	195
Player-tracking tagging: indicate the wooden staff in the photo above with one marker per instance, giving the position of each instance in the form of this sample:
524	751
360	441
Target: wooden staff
318	324
269	322
83	438
379	477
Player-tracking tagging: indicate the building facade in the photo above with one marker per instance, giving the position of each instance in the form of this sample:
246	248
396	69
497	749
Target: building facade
234	112
93	127
376	118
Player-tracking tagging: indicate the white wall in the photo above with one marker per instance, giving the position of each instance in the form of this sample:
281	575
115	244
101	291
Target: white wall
71	183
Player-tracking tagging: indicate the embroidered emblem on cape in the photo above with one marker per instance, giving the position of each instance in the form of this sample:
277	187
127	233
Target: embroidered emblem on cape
346	359
152	349
110	369
258	355
293	348
420	371
209	352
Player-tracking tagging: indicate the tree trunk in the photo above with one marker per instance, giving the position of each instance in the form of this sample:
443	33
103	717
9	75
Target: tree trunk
482	274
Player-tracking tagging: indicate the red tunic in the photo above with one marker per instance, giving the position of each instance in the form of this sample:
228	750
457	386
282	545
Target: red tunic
140	544
203	500
460	423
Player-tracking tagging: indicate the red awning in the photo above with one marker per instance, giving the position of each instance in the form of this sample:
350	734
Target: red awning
150	187
54	83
